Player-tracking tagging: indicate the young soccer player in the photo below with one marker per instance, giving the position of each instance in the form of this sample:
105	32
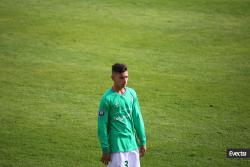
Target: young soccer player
120	124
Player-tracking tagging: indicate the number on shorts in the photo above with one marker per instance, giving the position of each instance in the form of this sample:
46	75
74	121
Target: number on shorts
126	163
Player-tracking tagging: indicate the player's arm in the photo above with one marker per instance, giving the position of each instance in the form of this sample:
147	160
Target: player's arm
103	125
139	124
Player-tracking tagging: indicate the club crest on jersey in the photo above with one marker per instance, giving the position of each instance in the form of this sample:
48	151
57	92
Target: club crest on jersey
116	105
101	112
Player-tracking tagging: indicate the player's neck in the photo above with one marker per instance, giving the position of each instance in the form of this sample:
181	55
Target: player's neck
119	90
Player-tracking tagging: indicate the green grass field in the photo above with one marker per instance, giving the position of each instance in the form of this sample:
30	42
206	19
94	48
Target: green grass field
188	61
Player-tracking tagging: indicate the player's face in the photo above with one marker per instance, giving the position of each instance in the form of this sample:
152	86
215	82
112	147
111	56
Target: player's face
120	79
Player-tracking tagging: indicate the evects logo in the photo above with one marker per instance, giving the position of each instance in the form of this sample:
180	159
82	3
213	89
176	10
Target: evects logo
238	153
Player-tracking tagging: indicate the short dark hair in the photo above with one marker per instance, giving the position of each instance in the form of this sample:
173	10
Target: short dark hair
119	68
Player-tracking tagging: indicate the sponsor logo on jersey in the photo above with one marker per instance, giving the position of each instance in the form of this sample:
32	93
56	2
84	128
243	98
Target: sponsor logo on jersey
118	118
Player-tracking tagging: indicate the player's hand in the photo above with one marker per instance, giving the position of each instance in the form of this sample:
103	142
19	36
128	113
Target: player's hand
105	158
142	150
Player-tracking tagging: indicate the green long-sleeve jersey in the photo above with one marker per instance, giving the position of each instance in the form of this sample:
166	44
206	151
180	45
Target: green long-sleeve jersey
120	123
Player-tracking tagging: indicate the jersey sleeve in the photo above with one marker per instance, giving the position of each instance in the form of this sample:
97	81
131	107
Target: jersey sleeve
138	122
103	125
